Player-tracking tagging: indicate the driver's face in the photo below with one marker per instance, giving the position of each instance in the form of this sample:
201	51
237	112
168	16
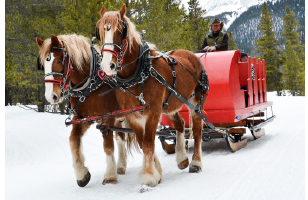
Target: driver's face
216	27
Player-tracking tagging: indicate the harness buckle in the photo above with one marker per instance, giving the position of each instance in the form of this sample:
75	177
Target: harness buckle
142	75
173	74
140	97
81	99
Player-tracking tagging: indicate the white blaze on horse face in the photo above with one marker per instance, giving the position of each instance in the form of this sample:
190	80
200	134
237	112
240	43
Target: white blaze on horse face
107	57
49	86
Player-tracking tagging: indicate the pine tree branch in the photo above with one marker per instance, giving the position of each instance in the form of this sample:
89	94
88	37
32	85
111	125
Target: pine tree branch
22	53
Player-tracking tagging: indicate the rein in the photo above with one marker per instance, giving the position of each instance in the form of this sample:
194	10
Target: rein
107	116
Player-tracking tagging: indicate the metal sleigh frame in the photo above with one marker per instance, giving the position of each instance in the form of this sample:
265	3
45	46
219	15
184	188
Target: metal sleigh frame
234	140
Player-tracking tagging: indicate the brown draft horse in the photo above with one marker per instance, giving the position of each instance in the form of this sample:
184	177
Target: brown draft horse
78	50
112	29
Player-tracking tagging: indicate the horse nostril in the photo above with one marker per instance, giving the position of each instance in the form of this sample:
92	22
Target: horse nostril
55	98
112	66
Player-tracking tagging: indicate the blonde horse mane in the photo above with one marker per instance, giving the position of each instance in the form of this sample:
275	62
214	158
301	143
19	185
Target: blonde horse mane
77	47
114	18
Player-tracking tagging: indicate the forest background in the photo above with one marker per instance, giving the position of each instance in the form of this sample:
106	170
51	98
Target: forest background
168	24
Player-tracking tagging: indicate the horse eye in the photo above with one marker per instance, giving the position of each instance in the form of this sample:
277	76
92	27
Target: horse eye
58	62
48	58
119	32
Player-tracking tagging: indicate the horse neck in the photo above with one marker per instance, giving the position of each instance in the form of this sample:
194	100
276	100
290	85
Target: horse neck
78	76
130	57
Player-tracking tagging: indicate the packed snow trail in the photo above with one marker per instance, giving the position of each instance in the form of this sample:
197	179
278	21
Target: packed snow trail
38	163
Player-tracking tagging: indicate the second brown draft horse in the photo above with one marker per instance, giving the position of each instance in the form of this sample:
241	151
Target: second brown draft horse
122	52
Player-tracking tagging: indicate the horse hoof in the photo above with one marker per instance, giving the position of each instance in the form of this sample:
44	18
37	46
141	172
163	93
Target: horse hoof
85	180
194	169
183	164
110	180
121	171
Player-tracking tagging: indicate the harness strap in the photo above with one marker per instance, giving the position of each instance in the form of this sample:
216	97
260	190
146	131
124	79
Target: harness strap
110	90
54	73
53	81
171	63
160	79
116	54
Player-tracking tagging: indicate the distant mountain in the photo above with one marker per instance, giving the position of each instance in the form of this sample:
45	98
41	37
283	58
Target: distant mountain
242	17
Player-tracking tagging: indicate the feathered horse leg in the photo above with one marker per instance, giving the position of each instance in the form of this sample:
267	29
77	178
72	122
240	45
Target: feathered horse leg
180	151
111	175
82	173
196	164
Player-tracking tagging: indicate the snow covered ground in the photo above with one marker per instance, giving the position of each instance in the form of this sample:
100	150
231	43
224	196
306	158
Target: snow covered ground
38	162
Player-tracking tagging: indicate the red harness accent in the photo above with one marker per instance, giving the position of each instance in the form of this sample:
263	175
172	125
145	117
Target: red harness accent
109	115
54	81
101	74
117	54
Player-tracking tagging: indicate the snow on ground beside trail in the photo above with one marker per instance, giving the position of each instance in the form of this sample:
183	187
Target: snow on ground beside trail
38	162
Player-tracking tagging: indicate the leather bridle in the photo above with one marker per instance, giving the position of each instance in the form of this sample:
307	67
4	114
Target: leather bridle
122	47
62	82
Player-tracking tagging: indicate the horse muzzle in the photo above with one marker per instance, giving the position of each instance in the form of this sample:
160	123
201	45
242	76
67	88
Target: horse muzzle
110	70
53	98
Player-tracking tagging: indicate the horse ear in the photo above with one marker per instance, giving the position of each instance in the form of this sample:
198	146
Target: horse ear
55	41
123	11
39	41
103	11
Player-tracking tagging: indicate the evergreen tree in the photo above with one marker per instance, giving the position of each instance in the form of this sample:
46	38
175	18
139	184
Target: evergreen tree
81	16
196	26
162	21
232	44
268	47
26	20
11	79
294	56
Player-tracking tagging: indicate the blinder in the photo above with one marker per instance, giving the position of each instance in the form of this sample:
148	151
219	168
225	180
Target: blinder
97	33
125	33
39	64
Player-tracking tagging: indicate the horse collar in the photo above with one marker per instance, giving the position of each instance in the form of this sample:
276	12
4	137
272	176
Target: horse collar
142	68
92	82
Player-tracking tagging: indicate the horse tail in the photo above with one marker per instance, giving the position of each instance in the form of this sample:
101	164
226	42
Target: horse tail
131	141
132	144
